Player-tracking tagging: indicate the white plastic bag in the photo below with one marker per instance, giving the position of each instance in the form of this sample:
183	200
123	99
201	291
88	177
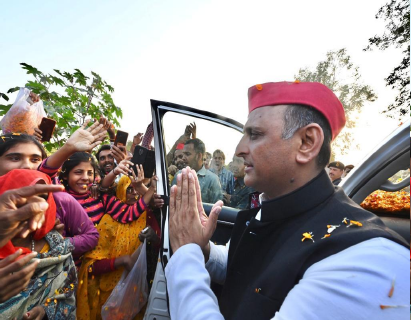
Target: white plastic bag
131	292
23	117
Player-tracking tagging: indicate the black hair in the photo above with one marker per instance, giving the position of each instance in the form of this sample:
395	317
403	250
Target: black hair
9	140
102	148
199	146
299	116
74	161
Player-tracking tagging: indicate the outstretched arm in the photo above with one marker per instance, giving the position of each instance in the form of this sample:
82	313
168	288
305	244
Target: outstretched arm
83	139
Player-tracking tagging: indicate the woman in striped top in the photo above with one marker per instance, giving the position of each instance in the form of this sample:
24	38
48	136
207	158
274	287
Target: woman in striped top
77	175
120	221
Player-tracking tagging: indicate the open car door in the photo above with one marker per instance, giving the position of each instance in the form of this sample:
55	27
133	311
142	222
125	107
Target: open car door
217	132
381	182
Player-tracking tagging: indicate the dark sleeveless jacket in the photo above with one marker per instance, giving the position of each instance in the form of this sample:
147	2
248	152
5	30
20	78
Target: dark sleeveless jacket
267	258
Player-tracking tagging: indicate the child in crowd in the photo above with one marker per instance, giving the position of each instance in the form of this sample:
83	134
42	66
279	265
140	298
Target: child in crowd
120	221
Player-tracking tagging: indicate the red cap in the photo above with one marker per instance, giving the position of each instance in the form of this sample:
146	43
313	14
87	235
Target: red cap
313	94
180	146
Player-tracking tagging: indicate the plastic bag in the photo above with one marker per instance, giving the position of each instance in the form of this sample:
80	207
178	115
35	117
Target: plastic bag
23	117
131	292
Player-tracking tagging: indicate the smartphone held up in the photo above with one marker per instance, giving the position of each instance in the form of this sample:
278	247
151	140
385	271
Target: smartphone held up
47	126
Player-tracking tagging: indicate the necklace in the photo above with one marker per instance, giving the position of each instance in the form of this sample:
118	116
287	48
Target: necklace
32	244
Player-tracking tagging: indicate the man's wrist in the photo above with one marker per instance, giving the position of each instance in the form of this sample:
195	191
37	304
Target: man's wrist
68	149
206	251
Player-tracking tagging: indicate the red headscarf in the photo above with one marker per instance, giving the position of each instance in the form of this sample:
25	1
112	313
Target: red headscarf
19	178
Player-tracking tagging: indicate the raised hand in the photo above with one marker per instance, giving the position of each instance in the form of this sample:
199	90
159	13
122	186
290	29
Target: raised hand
119	153
193	130
38	134
85	139
137	180
108	126
123	167
138	138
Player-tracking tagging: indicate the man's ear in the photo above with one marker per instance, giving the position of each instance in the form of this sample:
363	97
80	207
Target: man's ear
311	138
199	156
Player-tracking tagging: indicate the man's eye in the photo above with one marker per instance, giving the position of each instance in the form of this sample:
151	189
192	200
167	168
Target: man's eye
254	135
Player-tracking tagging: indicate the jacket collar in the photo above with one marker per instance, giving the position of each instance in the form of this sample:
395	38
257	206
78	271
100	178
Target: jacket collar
299	201
202	172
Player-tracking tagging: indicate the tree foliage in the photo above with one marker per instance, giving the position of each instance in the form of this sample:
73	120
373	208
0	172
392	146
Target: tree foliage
69	98
396	13
339	74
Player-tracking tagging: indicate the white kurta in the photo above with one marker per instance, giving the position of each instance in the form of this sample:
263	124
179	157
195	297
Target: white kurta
351	284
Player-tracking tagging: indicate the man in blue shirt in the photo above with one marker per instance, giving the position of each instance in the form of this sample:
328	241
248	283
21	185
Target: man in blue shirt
194	151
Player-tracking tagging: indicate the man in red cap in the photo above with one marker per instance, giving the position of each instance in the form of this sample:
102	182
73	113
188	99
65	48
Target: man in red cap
308	252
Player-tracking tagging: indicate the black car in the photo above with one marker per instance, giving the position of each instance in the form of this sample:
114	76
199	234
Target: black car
217	132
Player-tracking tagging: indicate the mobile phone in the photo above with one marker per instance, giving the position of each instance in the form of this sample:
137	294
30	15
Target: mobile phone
146	158
47	126
121	138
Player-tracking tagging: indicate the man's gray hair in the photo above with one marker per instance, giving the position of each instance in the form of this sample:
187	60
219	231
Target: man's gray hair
299	116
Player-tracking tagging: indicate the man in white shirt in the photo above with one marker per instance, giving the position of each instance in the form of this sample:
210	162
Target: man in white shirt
309	252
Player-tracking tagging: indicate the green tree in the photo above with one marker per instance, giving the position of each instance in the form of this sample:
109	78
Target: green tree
69	98
397	16
339	74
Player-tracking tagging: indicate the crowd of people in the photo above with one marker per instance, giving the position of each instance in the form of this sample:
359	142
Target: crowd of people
72	222
218	181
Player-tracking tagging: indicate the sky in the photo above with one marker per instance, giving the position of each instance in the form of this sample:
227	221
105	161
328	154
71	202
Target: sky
202	54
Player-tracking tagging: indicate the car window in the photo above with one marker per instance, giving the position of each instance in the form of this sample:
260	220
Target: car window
385	202
212	154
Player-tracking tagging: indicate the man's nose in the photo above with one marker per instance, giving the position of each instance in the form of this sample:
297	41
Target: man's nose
242	147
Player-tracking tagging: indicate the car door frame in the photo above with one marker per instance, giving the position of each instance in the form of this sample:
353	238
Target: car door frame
157	306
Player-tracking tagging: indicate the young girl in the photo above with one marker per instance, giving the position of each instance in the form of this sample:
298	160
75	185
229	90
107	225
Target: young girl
120	221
